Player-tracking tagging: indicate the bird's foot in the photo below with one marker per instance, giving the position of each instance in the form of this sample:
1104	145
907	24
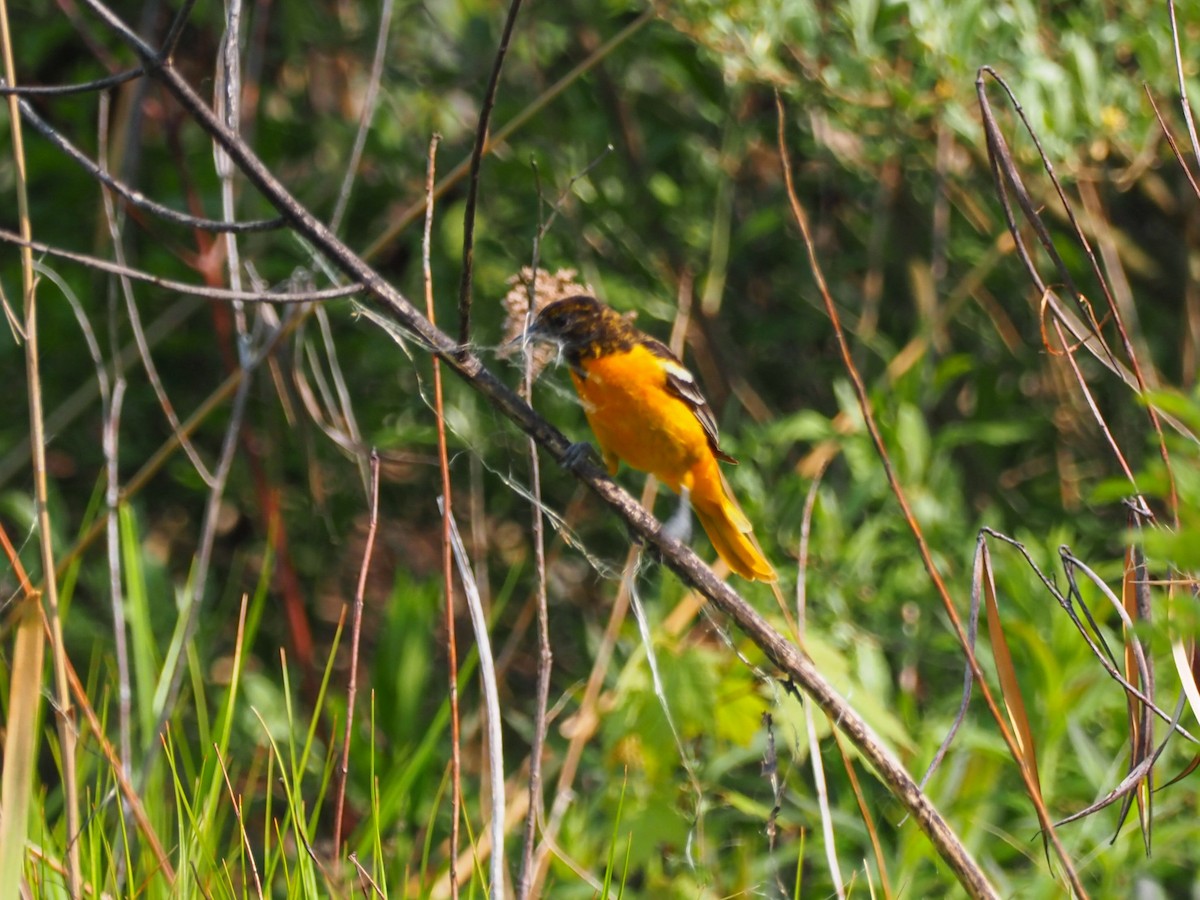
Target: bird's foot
577	454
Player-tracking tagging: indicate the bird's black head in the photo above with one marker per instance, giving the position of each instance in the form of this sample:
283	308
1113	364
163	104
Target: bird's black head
583	326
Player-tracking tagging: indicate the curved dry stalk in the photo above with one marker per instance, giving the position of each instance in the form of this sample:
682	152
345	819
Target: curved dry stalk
1101	653
931	568
1005	172
491	702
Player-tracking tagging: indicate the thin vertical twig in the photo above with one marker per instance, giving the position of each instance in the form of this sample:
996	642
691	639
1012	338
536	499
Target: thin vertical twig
481	140
545	659
447	548
227	104
538	105
810	729
112	497
587	716
355	634
110	402
364	120
65	712
171	680
822	787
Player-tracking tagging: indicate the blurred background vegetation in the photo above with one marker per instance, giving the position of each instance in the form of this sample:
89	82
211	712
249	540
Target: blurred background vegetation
661	162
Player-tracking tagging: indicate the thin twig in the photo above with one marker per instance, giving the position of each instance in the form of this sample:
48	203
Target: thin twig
135	319
513	125
171	678
814	751
63	709
368	112
176	32
228	104
112	492
447	550
810	502
136	198
1090	399
67	90
181	287
355	634
818	771
545	657
1184	166
481	140
110	402
1184	103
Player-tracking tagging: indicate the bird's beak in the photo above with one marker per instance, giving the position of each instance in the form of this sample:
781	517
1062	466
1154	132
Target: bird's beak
532	333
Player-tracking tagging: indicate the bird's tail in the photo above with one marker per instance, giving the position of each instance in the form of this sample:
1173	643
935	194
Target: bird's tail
728	528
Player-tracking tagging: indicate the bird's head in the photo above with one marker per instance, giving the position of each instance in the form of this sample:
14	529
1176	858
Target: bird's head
579	323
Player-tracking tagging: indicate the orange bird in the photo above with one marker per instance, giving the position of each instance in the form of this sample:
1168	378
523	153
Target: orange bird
645	408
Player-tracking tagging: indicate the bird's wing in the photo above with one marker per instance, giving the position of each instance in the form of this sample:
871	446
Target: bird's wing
682	383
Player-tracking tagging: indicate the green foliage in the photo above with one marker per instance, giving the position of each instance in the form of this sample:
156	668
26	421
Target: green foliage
983	427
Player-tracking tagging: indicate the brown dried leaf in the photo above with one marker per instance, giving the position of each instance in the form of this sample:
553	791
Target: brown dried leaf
1014	704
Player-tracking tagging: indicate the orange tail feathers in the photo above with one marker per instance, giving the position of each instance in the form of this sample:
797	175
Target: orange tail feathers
728	528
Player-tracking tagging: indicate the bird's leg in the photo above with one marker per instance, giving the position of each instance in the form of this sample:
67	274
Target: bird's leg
679	526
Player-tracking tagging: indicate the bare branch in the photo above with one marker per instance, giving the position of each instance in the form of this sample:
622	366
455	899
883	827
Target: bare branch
137	198
68	90
182	287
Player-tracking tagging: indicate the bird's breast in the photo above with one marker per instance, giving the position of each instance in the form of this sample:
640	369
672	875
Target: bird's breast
634	415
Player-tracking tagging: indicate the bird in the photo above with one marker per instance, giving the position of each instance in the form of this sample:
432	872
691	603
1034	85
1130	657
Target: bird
645	409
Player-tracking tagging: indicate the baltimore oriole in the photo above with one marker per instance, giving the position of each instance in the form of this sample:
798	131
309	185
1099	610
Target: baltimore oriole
645	408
